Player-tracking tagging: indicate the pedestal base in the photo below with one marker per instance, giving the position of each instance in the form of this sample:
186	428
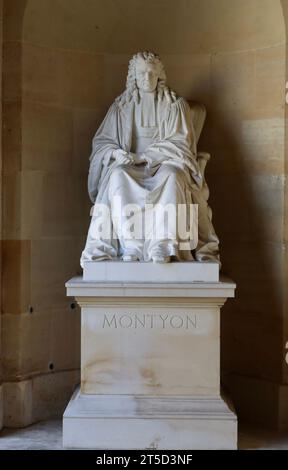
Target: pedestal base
150	364
148	422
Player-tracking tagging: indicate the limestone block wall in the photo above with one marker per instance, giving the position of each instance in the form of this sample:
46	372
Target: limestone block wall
63	66
247	135
43	232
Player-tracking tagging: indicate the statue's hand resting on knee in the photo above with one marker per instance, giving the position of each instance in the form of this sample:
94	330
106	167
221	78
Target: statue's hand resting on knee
122	157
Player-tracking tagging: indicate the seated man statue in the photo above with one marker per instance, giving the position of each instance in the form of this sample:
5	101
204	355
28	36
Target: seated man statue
144	156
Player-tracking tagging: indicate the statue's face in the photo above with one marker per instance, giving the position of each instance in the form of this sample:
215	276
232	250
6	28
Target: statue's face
147	75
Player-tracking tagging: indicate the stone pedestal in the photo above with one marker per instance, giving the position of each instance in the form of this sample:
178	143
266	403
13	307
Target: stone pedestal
150	363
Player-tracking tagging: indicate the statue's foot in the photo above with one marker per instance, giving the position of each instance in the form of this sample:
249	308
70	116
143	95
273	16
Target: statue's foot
128	258
161	259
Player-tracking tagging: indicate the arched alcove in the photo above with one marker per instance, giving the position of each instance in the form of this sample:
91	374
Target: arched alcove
63	65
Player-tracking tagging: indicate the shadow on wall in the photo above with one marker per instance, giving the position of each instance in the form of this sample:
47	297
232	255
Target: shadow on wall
247	209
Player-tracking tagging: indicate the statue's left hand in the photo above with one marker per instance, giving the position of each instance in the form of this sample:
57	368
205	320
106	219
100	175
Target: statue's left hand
138	159
122	157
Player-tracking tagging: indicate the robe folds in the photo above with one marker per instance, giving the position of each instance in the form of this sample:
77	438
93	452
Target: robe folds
176	141
172	145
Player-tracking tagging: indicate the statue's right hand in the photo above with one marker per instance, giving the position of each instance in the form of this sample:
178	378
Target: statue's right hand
122	157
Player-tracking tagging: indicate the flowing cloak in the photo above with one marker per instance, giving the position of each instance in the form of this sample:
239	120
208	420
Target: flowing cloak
176	142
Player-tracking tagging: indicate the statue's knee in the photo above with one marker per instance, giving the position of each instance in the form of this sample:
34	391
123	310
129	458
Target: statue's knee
174	173
118	172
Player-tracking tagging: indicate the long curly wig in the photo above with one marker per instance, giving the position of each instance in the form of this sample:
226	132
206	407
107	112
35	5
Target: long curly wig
132	90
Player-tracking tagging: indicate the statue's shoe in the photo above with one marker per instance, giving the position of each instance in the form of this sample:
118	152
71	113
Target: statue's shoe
161	259
130	258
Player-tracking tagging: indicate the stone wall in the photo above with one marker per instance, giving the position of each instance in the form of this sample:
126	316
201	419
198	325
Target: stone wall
43	232
63	66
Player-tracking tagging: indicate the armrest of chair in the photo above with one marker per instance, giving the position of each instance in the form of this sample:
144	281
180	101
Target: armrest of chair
202	159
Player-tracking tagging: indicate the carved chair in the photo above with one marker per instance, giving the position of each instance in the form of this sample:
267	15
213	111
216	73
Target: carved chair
198	112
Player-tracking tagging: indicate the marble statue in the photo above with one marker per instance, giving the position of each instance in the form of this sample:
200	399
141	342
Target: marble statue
144	155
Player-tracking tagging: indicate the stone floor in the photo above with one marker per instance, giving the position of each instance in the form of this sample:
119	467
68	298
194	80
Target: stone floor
48	435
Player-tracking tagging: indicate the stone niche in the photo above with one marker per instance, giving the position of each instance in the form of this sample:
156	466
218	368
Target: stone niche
216	56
